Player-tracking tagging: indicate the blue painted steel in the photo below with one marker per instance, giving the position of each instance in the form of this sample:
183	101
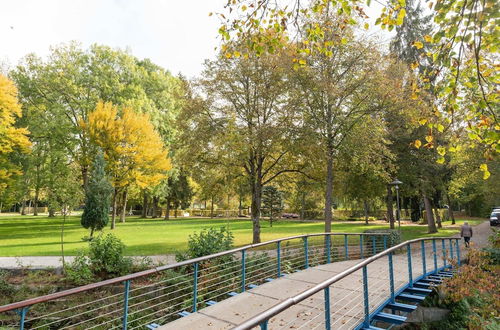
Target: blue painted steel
422	248
458	252
326	292
328	249
434	250
244	269
451	249
263	325
410	272
306	252
365	297
385	242
195	287
125	304
22	313
361	254
391	278
346	247
374	245
443	247
278	253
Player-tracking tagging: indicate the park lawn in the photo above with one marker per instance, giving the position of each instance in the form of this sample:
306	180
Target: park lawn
40	235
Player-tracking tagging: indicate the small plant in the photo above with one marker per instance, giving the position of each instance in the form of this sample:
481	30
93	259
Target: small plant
79	271
208	241
5	287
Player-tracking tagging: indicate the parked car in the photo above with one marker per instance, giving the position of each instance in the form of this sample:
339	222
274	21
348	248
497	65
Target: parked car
290	215
495	217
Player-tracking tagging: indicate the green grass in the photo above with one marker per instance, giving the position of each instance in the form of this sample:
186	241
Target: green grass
40	236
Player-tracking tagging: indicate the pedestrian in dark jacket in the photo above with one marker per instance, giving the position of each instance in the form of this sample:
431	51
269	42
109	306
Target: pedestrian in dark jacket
466	233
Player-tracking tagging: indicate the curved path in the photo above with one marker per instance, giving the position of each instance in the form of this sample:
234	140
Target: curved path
346	295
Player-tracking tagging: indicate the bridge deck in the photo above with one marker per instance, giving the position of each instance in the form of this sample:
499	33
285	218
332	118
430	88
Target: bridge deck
346	297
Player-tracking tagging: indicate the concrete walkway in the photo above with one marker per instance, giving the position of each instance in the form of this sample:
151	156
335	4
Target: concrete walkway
346	295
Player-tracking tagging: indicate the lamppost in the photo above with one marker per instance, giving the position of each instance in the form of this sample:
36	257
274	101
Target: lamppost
396	184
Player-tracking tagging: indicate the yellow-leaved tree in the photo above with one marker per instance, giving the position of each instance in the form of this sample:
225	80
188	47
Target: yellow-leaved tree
12	138
133	149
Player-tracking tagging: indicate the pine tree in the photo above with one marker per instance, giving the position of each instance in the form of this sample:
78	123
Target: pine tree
272	201
95	214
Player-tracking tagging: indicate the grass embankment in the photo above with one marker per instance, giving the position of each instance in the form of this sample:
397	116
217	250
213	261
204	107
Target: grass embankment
40	235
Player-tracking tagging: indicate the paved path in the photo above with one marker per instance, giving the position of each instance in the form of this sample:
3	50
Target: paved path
346	295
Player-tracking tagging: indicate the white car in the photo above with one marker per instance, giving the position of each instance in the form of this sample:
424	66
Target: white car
495	217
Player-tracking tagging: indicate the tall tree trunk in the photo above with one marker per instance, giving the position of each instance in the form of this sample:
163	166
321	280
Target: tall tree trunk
438	217
212	207
85	177
29	206
415	208
329	192
175	211
35	202
144	213
113	214
303	205
155	206
23	207
365	202
240	206
430	218
124	206
388	203
167	213
52	212
450	209
256	200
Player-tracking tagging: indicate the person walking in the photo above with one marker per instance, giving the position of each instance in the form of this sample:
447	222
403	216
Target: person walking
466	233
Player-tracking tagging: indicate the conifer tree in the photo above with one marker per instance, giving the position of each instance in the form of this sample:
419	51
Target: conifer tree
95	214
272	201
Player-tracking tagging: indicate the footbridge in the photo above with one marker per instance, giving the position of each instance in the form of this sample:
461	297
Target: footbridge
319	281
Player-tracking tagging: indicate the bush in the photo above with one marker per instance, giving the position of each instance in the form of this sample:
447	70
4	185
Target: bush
208	241
5	287
103	259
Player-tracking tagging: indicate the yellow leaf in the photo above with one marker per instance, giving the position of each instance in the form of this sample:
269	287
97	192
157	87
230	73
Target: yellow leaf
440	160
243	8
427	38
414	65
228	55
422	121
429	138
302	62
418	44
237	54
367	26
417	144
343	41
441	150
440	128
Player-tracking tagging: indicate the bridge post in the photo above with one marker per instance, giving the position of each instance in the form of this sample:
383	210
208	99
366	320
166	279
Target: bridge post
243	270
195	287
434	250
328	249
263	325
366	323
327	308
306	252
385	242
22	313
391	278
125	304
361	254
443	247
410	272
424	268
346	247
458	252
374	245
278	253
451	249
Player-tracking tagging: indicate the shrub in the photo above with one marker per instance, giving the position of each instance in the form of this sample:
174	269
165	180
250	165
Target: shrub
106	256
5	287
208	241
79	271
393	238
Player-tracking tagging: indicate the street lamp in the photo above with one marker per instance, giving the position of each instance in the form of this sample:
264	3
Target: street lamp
396	184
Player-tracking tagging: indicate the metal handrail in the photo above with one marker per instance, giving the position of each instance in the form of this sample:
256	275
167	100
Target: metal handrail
129	277
278	308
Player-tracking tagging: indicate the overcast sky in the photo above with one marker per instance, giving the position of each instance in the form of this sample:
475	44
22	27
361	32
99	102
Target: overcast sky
176	34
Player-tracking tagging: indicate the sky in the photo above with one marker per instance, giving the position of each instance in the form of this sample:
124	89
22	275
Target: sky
176	34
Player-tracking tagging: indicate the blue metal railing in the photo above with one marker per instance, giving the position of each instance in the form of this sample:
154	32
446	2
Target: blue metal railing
368	314
162	294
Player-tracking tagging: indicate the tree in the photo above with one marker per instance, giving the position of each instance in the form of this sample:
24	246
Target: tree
179	193
12	138
66	87
134	151
238	118
337	92
272	202
95	214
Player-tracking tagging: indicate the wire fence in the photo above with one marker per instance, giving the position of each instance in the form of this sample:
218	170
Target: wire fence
164	294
